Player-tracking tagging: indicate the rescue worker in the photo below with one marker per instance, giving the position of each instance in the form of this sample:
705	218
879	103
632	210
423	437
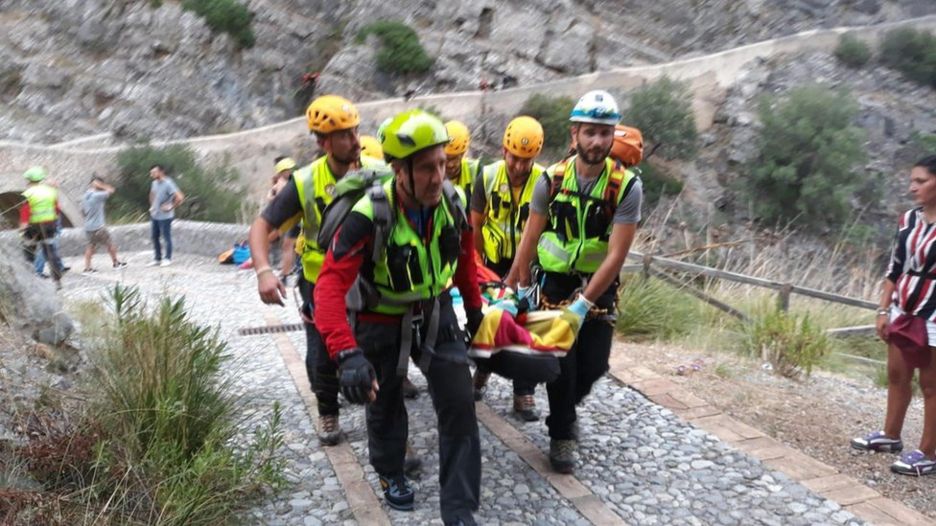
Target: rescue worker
370	147
38	220
334	122
583	217
459	169
500	206
398	253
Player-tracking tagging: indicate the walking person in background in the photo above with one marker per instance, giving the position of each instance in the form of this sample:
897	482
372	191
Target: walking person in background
905	320
38	220
92	207
164	197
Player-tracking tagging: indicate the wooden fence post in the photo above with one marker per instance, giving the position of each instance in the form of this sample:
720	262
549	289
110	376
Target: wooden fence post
783	297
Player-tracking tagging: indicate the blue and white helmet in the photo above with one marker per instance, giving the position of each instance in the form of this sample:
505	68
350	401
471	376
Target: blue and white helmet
596	106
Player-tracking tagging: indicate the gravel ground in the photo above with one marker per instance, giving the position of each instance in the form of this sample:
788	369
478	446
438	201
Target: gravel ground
818	416
638	458
652	468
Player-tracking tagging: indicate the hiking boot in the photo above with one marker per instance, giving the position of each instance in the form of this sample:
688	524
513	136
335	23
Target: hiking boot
562	456
480	383
878	441
914	463
398	493
413	463
120	264
525	407
409	390
329	430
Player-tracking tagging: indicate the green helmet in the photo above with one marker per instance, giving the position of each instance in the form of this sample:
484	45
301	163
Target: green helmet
35	174
410	132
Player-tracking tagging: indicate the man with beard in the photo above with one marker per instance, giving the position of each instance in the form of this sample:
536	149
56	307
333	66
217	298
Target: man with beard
583	217
334	122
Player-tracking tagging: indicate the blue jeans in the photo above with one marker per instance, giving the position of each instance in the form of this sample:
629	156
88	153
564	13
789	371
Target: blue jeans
162	227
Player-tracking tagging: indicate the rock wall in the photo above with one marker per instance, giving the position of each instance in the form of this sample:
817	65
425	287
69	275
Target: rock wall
252	151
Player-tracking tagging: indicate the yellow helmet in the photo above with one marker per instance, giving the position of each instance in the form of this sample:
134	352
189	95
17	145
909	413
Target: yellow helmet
330	113
284	164
370	147
459	138
524	137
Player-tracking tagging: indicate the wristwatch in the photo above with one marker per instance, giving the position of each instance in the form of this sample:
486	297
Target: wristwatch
883	312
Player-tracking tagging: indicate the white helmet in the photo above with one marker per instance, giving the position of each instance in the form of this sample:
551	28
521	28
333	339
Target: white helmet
597	106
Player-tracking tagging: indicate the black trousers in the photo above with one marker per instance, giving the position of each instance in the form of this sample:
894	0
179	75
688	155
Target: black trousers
584	364
446	370
321	369
40	236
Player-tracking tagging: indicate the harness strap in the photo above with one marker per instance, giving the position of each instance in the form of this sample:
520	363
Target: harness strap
426	343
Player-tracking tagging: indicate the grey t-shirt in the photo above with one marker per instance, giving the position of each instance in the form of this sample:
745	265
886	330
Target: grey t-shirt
93	208
162	195
627	211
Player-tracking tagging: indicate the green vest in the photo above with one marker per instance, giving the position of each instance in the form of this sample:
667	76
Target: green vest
412	269
578	227
505	219
469	168
41	198
316	186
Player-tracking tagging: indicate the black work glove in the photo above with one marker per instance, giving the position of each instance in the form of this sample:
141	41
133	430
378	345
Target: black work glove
474	321
355	376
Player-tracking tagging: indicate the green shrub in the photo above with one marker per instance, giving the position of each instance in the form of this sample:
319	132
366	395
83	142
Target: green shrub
791	343
663	113
657	183
169	417
650	308
212	194
810	158
400	50
911	52
553	114
225	16
852	51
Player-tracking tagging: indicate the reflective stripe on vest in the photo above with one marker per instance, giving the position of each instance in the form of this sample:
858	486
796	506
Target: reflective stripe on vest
318	178
504	220
412	269
564	247
41	199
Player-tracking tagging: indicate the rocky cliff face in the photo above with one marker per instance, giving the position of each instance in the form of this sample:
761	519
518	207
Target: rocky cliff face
72	68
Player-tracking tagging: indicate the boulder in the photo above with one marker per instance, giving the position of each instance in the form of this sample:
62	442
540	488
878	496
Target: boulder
31	304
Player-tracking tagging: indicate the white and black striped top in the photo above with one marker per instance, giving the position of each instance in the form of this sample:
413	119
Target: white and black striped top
912	265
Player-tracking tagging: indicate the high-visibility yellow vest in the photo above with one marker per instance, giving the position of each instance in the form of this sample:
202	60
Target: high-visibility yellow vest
504	219
579	226
411	268
316	186
41	198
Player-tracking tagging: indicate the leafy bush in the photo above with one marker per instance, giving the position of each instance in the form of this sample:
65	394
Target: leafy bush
911	52
210	194
792	343
809	153
553	114
663	113
160	438
852	51
225	16
400	50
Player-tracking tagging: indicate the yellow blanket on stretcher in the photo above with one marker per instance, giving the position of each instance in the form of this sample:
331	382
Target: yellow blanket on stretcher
537	332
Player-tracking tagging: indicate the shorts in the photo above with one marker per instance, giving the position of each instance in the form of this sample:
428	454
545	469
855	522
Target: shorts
930	326
98	237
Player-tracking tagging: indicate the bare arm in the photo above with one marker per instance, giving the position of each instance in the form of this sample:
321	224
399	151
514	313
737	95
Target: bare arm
271	289
177	198
520	270
477	219
887	293
622	235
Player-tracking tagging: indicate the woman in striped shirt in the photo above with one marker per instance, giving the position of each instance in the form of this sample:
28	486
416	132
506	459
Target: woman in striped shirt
910	287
